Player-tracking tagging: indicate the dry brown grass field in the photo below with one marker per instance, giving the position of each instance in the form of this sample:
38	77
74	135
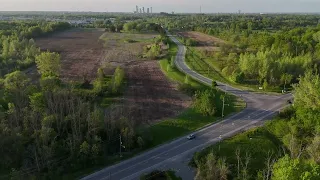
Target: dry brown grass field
149	95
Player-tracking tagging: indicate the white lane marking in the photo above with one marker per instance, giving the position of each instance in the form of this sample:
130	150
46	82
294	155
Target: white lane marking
208	142
209	132
202	135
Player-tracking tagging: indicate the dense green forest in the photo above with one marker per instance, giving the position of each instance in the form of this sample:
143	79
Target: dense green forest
259	49
50	127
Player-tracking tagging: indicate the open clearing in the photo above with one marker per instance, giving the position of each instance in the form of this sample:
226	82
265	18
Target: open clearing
80	49
206	42
149	96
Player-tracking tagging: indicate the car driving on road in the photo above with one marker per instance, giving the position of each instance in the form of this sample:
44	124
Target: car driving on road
192	136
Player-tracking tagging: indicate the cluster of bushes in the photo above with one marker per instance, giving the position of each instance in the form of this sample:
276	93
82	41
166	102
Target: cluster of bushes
154	50
205	103
189	42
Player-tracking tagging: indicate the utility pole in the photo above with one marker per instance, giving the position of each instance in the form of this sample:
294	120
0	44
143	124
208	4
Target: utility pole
222	109
220	137
223	104
120	145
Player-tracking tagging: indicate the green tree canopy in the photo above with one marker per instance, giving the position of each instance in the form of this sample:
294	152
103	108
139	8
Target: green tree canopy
16	81
295	169
48	64
307	92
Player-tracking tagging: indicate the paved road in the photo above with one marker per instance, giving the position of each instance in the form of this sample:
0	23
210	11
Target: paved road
177	153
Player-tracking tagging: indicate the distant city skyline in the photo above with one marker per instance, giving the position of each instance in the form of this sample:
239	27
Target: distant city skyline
179	6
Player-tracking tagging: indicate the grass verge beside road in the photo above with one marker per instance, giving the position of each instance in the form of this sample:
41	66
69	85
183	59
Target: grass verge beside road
257	144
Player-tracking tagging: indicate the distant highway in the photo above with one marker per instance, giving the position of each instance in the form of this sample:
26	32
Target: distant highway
176	154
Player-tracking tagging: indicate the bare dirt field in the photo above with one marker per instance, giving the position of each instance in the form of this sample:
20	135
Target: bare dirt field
149	96
205	41
81	52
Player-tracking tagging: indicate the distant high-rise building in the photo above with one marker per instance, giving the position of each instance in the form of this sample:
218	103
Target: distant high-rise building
148	10
140	10
137	9
151	10
143	10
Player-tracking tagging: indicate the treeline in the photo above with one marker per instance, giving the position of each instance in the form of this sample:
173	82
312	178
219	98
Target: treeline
118	25
17	49
141	26
237	21
25	29
267	57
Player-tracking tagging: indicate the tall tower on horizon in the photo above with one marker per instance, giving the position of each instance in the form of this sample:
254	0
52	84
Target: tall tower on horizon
151	10
148	10
143	10
137	9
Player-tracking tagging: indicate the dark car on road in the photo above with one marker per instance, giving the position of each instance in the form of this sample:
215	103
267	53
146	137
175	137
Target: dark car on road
192	136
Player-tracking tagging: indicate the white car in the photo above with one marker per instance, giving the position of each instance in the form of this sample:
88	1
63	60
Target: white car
192	136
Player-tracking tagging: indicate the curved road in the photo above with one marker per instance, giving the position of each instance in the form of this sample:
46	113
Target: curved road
176	154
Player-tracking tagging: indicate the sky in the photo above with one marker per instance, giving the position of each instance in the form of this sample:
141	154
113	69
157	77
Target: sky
178	6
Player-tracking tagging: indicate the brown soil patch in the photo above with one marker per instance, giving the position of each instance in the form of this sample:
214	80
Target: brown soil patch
150	96
206	42
80	49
